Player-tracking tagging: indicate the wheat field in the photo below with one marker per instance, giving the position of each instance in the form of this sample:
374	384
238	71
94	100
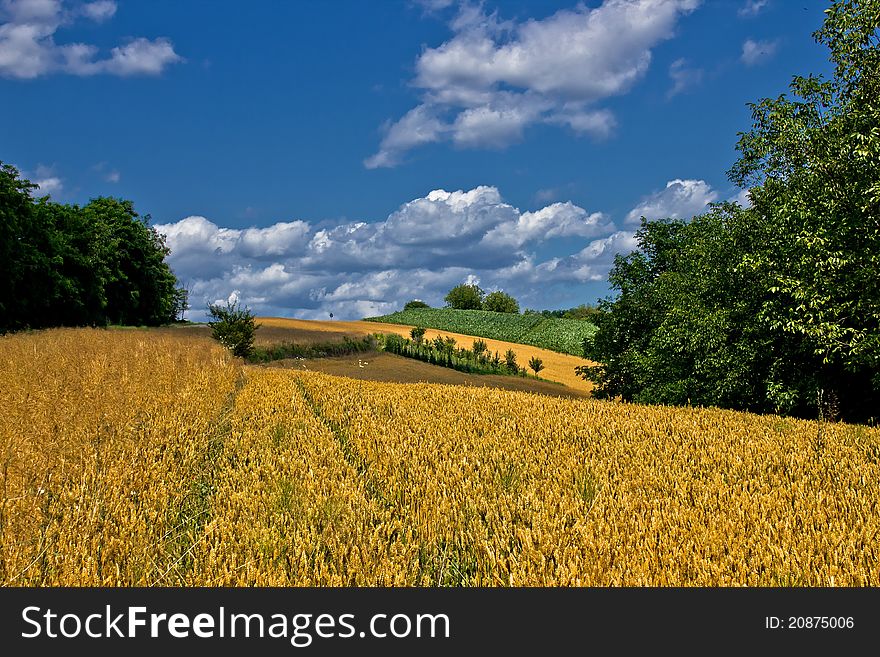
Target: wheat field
133	458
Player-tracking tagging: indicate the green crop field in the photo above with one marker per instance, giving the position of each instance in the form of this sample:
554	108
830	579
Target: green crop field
562	335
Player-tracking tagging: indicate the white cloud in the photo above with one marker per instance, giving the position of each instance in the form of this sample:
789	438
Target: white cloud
757	52
99	11
751	8
493	79
421	250
28	49
112	176
742	198
141	57
417	127
556	220
51	185
681	199
47	181
683	77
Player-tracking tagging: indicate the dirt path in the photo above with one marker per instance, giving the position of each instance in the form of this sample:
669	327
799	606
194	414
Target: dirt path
397	369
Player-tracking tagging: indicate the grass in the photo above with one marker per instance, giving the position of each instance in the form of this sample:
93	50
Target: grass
562	335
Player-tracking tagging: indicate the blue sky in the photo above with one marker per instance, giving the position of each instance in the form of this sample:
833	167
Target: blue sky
317	157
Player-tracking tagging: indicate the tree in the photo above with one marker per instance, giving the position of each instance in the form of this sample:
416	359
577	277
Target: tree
770	307
139	286
479	347
510	361
465	297
234	327
536	364
500	302
813	166
72	266
415	304
417	334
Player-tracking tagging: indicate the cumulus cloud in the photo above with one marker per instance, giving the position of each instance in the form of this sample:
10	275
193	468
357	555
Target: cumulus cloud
425	247
757	52
494	78
680	199
28	48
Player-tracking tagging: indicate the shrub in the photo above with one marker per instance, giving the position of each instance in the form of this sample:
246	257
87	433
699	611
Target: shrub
234	327
415	303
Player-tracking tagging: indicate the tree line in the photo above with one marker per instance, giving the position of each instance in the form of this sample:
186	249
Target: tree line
69	265
773	307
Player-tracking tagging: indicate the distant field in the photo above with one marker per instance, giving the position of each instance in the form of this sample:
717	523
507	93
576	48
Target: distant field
563	335
558	367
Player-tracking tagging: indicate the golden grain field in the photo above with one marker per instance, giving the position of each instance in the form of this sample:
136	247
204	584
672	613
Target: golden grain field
136	459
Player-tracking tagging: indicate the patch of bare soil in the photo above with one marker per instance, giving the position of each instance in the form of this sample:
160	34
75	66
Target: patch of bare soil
397	369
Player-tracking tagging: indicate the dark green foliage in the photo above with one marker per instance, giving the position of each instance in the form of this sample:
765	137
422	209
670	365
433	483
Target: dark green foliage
479	348
510	361
777	306
415	303
234	327
583	312
417	334
465	297
536	364
65	265
500	302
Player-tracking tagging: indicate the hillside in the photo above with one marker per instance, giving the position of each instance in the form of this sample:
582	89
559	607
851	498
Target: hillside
559	367
563	335
136	458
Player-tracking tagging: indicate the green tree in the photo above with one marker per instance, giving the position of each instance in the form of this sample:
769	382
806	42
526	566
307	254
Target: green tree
234	327
415	304
812	163
72	266
139	286
510	361
536	364
500	302
417	333
771	307
465	297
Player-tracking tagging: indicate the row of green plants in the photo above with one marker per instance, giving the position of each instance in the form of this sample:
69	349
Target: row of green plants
445	352
557	334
